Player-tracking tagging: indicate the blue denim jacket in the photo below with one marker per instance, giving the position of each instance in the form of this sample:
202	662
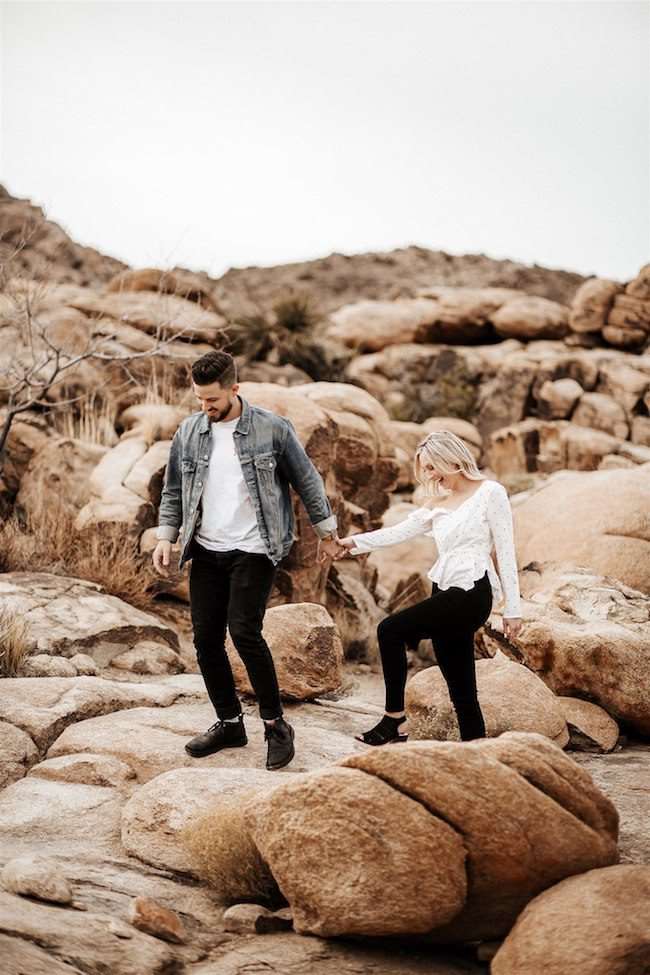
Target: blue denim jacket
271	457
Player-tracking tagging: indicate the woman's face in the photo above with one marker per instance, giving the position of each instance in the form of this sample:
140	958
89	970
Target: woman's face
431	473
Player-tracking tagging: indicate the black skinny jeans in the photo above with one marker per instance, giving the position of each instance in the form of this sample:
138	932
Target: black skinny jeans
231	589
449	618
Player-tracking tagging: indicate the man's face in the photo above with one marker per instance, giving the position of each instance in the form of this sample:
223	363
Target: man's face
216	401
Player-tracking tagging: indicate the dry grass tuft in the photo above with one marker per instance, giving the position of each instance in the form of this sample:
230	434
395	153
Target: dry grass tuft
14	646
47	541
224	856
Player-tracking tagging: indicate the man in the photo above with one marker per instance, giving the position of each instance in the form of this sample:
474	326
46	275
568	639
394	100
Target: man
226	489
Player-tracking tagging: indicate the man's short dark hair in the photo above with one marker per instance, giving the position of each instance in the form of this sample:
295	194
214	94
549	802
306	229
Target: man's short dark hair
215	367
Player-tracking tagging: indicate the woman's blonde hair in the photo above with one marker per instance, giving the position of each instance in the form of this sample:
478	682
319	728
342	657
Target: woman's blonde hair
448	454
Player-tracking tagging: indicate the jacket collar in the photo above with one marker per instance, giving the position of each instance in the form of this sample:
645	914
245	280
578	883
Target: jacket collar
244	420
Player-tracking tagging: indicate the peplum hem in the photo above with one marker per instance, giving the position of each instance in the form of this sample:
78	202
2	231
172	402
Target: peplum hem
463	573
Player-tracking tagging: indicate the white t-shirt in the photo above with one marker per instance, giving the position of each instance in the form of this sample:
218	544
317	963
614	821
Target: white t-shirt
229	520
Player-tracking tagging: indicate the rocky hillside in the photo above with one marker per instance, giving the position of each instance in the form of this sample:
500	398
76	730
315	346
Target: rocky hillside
50	254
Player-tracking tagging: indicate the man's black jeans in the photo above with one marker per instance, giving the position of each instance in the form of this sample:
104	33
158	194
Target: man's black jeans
231	589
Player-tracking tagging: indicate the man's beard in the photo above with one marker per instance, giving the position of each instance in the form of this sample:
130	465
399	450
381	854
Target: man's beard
217	417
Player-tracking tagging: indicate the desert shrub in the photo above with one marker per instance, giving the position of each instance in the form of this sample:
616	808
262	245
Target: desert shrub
296	313
14	645
224	855
92	421
46	540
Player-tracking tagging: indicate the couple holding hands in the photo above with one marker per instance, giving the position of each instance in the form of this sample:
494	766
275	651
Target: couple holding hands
226	487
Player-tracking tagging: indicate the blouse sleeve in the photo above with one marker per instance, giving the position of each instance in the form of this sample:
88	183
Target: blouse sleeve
417	523
499	515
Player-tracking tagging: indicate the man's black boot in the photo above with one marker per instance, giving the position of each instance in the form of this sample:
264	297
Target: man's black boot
279	736
222	734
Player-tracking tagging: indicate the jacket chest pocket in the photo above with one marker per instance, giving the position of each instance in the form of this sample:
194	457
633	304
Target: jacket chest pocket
265	463
188	466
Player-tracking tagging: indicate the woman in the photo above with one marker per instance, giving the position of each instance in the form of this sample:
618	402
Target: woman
466	521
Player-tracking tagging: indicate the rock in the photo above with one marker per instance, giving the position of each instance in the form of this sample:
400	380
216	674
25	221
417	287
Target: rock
462	314
44	706
601	412
594	924
36	877
590	727
355	613
60	469
152	313
368	326
640	432
558	397
42	665
151	740
151	422
386	853
86	769
148	916
581	626
511	699
306	650
463	833
68	616
623	776
462	428
286	953
158	812
81	942
149	657
624	383
586	529
84	665
591	304
17	753
180	282
529	317
254	919
125	486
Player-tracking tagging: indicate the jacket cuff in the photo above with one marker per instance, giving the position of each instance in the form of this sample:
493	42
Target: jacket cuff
166	533
325	527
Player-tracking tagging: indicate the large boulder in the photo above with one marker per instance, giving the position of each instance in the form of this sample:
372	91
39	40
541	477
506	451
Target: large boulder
463	835
61	470
592	303
596	519
17	753
586	636
155	816
44	706
595	924
529	317
369	326
154	313
306	649
511	697
65	616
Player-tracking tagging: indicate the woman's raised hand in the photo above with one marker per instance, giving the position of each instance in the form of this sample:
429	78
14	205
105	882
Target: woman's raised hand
345	544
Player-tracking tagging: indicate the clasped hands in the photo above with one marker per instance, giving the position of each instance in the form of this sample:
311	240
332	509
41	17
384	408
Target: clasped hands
334	547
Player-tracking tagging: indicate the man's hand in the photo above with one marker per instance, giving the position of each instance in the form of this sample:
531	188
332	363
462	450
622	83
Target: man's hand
161	556
328	548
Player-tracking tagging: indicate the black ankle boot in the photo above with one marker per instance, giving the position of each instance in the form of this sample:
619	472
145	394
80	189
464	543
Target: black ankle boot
279	737
222	734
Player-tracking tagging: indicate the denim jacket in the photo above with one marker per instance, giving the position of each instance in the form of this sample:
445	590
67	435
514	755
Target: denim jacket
271	457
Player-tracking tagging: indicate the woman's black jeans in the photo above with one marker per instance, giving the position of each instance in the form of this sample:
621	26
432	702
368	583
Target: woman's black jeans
231	589
449	618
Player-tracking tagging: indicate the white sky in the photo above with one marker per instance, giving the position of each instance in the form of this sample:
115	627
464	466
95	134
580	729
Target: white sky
219	134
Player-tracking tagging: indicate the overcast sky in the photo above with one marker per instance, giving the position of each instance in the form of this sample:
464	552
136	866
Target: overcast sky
228	134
